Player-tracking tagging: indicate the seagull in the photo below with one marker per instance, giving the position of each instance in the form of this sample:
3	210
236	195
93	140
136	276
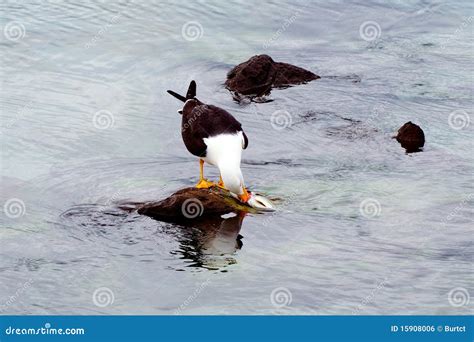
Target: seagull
214	136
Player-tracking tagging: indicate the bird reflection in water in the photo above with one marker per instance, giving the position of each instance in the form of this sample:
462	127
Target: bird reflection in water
210	242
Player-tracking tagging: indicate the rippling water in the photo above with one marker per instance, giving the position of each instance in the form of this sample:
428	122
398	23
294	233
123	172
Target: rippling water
361	227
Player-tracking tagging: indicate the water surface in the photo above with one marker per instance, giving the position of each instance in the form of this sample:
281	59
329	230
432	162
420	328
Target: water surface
409	246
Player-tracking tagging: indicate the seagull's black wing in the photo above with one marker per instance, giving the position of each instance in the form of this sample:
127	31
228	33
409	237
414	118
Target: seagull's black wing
206	121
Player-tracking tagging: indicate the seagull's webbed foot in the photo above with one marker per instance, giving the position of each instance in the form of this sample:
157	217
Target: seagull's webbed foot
205	184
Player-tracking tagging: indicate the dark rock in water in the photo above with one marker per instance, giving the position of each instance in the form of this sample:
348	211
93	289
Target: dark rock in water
193	204
206	236
257	76
253	77
411	137
288	75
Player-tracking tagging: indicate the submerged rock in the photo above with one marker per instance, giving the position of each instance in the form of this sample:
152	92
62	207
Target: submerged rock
193	204
257	76
411	137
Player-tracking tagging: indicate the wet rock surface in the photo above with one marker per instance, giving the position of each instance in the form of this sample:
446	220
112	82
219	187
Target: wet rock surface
193	204
257	76
411	137
287	75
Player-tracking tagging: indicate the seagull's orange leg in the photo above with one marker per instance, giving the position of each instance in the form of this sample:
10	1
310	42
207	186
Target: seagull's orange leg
203	182
221	183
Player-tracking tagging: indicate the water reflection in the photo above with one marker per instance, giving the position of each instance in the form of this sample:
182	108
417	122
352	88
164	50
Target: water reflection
211	242
205	242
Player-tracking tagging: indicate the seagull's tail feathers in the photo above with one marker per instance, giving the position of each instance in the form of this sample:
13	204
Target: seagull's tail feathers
189	95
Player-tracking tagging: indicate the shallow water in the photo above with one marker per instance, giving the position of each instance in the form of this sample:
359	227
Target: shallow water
361	227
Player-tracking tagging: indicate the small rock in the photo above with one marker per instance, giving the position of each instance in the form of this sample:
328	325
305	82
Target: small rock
257	76
411	137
